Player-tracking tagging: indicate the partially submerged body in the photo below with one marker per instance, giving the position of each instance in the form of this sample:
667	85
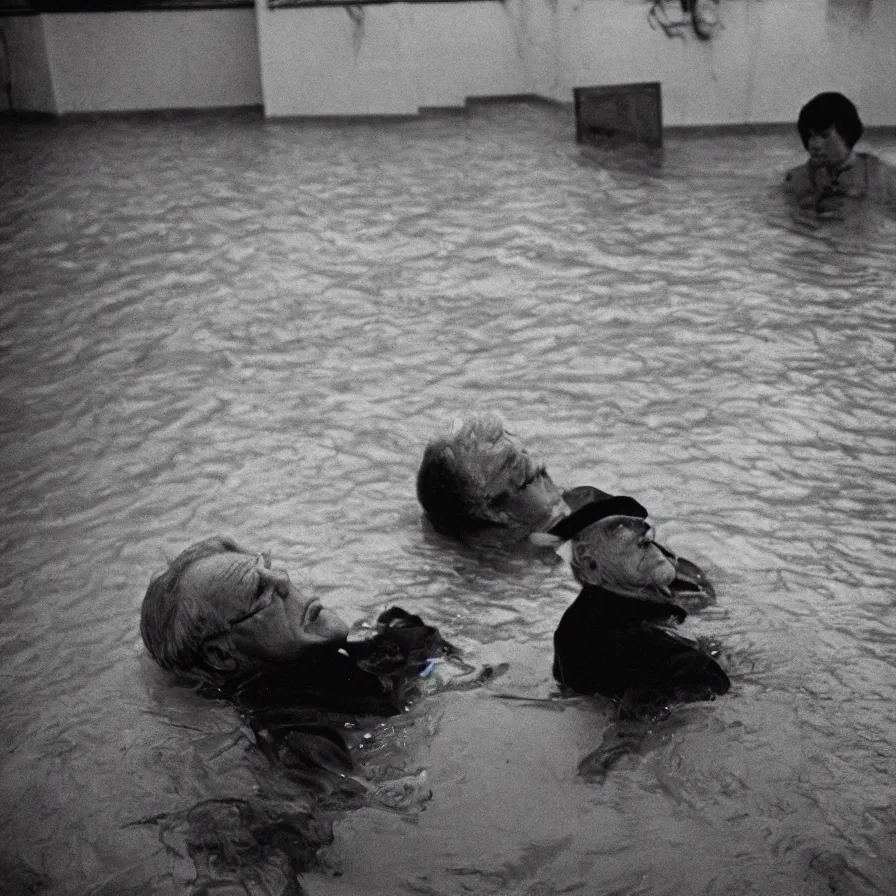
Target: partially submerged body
841	191
622	647
226	620
477	482
836	182
478	478
616	639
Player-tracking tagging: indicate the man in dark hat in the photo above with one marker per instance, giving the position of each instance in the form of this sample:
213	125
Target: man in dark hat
615	638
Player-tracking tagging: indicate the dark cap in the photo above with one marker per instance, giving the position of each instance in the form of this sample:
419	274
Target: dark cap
619	505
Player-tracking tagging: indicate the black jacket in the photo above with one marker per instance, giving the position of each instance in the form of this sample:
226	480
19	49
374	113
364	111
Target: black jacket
618	646
299	711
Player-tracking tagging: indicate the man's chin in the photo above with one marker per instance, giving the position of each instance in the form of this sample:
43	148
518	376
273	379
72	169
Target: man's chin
661	574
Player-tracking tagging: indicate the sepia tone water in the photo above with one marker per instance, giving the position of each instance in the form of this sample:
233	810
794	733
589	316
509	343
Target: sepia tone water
216	324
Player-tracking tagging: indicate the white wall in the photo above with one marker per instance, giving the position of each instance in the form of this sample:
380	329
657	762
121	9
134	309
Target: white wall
393	59
386	59
153	60
25	67
770	56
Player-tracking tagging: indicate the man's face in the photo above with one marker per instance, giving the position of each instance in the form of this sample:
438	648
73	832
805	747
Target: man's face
619	553
827	147
268	617
518	487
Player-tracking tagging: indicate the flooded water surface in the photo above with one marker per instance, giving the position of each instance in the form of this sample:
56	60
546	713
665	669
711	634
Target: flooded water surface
216	324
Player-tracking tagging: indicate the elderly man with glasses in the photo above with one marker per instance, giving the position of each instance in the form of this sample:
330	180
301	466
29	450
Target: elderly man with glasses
224	616
227	620
219	611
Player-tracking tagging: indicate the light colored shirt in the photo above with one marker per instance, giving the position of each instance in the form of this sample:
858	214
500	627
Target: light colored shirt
829	191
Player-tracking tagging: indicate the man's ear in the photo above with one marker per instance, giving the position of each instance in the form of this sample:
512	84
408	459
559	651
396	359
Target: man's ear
218	654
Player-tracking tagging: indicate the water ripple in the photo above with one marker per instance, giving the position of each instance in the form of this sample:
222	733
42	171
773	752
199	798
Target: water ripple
251	328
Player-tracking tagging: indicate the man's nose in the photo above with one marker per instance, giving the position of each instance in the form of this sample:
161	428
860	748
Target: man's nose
278	579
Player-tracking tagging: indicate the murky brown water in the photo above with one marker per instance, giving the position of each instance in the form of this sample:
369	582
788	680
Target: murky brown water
212	324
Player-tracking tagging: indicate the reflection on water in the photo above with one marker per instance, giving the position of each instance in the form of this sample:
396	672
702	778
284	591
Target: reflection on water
216	324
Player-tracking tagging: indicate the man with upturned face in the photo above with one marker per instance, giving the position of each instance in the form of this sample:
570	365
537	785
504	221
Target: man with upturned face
615	638
477	477
225	616
220	611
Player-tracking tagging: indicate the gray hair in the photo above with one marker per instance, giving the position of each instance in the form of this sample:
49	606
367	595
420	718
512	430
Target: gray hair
174	626
453	480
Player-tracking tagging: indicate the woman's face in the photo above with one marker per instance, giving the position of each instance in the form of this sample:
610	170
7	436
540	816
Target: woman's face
268	617
827	147
618	553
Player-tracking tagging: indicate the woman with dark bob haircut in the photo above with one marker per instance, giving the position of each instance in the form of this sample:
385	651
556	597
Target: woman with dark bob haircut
829	126
826	111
